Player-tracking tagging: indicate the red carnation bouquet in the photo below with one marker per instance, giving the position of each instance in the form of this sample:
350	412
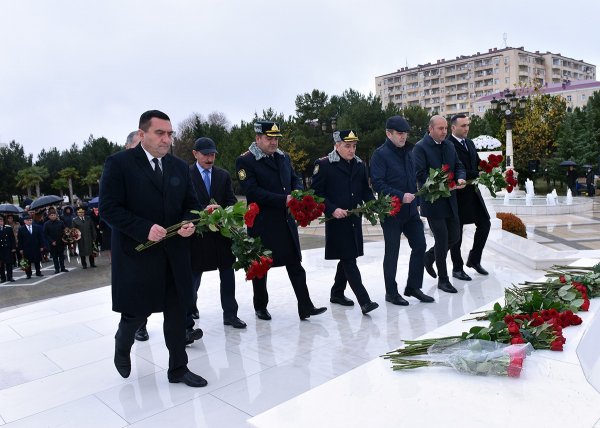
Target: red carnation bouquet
491	176
249	253
305	206
438	185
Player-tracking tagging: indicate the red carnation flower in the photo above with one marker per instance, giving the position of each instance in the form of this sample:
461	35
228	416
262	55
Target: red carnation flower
445	167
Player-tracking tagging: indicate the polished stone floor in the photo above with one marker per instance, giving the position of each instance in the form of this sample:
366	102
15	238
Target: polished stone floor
56	355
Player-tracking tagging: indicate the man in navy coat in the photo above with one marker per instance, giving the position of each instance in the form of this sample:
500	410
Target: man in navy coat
211	250
267	178
471	207
341	178
433	151
31	244
393	173
142	192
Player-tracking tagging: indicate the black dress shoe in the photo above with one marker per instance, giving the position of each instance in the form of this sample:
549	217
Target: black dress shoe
263	314
396	299
93	266
39	274
429	260
142	334
477	268
64	270
28	276
368	307
83	267
341	300
313	311
190	379
446	286
122	362
193	334
418	294
460	274
11	280
196	315
235	322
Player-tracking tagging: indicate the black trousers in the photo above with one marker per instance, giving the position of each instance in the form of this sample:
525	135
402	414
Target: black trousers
173	330
6	271
413	230
38	269
84	263
58	257
482	230
297	276
445	232
228	302
347	272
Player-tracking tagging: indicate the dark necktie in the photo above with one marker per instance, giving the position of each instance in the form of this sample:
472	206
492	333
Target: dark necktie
206	178
157	170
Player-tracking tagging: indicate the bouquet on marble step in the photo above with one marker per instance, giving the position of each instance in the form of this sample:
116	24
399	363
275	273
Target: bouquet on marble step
439	184
589	277
565	292
474	357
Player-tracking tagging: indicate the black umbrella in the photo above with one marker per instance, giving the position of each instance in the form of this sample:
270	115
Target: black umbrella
9	209
587	165
44	201
568	163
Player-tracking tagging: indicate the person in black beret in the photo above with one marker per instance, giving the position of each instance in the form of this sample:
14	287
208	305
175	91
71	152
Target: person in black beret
341	178
211	250
267	178
393	173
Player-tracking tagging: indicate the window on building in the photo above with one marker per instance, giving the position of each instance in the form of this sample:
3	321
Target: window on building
506	60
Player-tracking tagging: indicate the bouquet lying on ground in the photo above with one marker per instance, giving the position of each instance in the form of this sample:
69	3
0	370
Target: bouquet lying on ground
249	253
376	209
475	357
305	206
438	185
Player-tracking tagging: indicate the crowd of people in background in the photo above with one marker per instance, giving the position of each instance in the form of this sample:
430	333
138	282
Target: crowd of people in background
51	234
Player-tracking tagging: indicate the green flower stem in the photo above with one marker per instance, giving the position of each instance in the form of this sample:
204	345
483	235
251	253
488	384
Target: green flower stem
171	231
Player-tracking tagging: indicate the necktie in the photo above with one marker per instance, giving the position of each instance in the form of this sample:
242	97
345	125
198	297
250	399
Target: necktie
29	228
157	170
464	143
206	178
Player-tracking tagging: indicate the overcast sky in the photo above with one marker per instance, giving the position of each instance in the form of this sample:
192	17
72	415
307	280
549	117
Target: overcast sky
71	68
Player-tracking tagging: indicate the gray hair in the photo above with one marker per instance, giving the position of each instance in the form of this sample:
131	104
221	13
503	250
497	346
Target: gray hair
129	141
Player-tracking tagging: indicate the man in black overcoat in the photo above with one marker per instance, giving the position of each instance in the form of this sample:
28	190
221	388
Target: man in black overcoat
341	178
211	250
31	244
8	247
54	230
471	207
267	178
142	192
433	151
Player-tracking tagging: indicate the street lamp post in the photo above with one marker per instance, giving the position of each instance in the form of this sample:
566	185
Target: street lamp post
510	108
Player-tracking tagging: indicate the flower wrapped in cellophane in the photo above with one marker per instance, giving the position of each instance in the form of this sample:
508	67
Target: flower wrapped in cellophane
475	357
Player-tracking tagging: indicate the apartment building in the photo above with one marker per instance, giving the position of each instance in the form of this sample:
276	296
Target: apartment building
452	86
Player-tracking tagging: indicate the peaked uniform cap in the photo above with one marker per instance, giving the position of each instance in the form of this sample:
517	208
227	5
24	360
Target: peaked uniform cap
347	136
270	129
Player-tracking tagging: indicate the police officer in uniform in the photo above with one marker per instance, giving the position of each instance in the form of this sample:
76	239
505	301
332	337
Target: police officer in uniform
8	248
341	178
267	178
393	173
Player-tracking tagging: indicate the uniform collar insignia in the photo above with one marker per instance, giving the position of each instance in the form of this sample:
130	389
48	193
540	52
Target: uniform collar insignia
258	153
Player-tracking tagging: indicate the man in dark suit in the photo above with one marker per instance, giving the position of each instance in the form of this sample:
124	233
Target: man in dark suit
471	207
341	178
433	151
267	178
31	244
142	191
54	230
212	250
393	173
